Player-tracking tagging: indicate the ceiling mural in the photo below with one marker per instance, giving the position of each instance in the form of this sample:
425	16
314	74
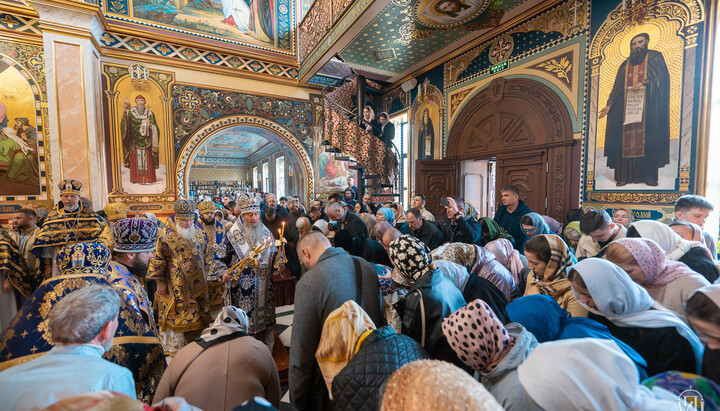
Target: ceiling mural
257	24
407	33
238	145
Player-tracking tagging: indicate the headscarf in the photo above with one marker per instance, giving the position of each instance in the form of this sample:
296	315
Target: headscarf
494	231
342	335
231	322
573	227
388	213
369	221
470	210
554	225
554	280
651	259
506	255
153	217
458	274
539	225
590	374
674	246
547	321
626	303
321	225
477	336
435	385
411	257
711	291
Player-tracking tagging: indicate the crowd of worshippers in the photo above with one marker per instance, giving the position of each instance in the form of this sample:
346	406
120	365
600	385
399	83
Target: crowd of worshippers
393	310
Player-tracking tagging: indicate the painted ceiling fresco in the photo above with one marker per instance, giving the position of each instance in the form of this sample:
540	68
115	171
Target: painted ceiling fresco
264	25
408	32
239	145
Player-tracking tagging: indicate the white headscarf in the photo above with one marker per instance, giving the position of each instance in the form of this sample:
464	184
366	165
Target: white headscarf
229	320
10	133
674	246
456	273
590	374
712	292
619	299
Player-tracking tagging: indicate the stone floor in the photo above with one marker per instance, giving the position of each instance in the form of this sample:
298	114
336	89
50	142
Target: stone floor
284	319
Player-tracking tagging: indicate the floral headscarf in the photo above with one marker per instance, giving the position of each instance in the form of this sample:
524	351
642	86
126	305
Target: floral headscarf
411	257
652	261
477	336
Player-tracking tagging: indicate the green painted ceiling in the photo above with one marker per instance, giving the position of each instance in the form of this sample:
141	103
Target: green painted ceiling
409	31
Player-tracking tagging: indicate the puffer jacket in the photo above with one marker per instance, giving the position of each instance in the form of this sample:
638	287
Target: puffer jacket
435	296
358	386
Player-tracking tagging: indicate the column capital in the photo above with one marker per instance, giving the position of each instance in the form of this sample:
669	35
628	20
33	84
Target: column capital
71	18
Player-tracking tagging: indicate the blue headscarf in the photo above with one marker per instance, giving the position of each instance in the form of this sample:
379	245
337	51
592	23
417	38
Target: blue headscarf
542	315
539	225
388	213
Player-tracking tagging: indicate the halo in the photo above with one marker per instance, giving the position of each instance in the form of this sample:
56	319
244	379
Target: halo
651	29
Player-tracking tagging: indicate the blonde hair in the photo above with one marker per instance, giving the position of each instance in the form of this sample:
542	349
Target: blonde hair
627	210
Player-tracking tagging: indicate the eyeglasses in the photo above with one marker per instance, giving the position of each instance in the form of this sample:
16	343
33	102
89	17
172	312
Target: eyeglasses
529	232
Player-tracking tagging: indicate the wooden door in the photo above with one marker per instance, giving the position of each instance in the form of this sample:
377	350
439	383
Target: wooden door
526	170
436	179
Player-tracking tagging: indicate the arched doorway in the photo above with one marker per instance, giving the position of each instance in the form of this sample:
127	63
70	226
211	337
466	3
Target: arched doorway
241	143
525	127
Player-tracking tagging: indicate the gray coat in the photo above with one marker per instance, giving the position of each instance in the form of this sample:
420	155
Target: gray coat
321	290
503	382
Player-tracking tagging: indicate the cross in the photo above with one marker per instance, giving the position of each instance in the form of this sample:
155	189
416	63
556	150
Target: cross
33	349
67	237
24	333
575	8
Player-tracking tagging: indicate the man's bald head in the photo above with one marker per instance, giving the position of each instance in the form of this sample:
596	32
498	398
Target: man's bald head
310	247
389	236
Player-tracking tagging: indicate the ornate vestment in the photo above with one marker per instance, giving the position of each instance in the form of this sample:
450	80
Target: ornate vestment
253	290
215	267
180	264
13	268
135	346
131	290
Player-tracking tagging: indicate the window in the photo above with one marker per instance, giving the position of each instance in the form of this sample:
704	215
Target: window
266	177
280	176
402	127
255	177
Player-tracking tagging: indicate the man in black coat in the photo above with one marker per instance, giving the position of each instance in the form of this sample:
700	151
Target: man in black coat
457	228
424	231
388	129
346	220
369	249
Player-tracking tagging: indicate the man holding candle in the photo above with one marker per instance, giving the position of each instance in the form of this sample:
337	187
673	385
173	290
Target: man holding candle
250	288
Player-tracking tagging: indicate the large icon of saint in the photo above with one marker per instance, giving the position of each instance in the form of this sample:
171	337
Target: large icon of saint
637	134
426	137
140	140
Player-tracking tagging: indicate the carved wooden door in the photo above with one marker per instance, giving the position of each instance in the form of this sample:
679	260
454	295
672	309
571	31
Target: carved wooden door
436	179
528	172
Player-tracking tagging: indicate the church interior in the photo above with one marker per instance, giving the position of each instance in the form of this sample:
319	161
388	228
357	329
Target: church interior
149	102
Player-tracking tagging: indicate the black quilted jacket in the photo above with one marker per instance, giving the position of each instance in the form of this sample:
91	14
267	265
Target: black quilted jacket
358	386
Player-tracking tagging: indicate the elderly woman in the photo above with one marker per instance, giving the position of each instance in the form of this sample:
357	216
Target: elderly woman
430	298
491	349
385	214
533	224
233	367
622	216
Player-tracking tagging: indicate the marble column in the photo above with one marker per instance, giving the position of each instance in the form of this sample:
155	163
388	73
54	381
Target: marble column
72	65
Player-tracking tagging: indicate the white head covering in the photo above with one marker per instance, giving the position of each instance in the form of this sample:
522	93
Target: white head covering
626	303
589	374
321	225
673	245
456	273
712	292
10	133
229	320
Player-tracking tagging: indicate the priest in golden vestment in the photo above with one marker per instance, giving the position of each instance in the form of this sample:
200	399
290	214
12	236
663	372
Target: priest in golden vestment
74	223
182	300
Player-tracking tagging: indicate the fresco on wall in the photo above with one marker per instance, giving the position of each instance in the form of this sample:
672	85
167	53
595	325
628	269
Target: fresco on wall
139	131
639	137
19	149
333	174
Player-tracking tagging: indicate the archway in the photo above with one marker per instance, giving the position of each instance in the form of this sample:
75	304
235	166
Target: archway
286	142
525	127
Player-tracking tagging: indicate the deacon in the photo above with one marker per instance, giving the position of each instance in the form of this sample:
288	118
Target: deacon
24	233
179	271
215	250
74	223
251	289
134	248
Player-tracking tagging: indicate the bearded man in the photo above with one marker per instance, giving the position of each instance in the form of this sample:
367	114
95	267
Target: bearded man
215	251
179	271
251	290
74	223
134	247
637	150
